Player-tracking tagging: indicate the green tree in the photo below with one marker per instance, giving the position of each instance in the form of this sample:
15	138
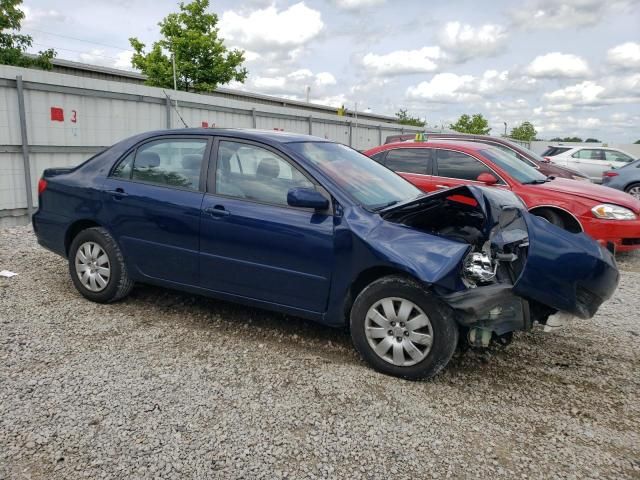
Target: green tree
202	60
572	139
13	44
592	140
475	124
525	132
556	139
636	142
405	119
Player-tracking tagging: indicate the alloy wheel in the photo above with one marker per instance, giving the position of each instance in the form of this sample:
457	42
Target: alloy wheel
398	331
634	191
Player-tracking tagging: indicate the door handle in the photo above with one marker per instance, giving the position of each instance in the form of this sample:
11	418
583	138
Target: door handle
442	186
118	192
217	211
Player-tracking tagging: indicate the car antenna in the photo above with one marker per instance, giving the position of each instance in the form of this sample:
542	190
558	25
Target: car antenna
174	107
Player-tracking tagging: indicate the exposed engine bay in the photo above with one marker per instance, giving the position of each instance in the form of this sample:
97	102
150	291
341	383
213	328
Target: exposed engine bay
495	229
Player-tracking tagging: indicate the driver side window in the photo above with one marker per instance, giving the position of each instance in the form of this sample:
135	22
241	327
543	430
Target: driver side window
255	173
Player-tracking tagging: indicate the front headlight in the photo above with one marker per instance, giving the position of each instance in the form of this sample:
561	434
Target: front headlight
612	212
582	179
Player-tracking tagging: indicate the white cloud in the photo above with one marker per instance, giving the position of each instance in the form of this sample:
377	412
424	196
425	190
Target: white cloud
269	29
356	4
562	14
625	56
608	91
558	64
98	56
401	62
293	84
34	17
465	42
453	88
445	88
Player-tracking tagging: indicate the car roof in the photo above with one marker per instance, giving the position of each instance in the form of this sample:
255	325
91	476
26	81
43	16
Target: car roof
272	136
439	143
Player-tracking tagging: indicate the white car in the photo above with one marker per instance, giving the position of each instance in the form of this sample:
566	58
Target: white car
590	161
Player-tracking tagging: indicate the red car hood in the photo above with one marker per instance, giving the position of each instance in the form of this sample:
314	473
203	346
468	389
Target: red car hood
593	192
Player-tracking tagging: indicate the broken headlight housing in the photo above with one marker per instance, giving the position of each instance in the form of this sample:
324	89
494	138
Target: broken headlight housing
479	268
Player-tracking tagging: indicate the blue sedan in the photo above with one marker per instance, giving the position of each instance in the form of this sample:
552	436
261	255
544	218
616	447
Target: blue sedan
625	178
312	228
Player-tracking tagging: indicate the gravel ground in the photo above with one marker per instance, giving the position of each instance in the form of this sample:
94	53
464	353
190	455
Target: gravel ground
166	385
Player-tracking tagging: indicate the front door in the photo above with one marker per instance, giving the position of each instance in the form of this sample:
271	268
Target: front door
252	243
152	202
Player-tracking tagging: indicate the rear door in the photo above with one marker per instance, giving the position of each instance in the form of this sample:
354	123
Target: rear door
454	168
414	164
252	243
590	162
152	202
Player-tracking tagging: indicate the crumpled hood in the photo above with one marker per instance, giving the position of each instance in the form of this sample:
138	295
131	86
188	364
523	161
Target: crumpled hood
565	271
592	191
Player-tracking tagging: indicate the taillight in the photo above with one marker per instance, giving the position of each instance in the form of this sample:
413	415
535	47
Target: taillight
42	186
609	174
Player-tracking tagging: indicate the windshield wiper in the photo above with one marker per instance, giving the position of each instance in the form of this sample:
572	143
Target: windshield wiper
386	205
537	181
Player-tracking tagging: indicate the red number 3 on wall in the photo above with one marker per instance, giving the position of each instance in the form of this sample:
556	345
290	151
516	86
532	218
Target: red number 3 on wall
74	116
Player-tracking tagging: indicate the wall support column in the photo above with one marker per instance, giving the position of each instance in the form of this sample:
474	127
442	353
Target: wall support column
25	145
168	110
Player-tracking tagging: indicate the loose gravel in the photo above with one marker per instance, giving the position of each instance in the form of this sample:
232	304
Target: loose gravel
169	385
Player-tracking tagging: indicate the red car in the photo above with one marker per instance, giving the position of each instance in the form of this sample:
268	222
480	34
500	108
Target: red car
607	215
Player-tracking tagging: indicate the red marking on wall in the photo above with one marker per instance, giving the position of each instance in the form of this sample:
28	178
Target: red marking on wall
205	124
57	114
74	116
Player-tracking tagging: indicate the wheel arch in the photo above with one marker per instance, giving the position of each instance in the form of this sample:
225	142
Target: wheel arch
75	228
368	276
566	215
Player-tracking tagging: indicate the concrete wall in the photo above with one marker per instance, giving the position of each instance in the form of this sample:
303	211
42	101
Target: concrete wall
97	113
631	148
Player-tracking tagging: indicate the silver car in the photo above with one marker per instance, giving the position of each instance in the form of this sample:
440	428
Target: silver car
626	179
590	161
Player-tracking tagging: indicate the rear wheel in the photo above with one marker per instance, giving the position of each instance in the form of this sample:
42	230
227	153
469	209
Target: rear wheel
97	266
401	330
633	190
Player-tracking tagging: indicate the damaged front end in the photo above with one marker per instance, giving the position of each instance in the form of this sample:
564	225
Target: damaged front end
518	269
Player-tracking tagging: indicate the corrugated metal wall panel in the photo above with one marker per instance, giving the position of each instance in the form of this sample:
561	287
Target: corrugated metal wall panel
99	113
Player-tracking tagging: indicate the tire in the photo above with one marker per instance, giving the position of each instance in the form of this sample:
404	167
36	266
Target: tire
100	258
410	302
634	190
552	217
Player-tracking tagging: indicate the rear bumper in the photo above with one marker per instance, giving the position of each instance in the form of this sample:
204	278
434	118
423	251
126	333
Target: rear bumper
50	231
624	234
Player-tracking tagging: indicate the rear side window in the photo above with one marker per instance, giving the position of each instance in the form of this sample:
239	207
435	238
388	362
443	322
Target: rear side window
409	160
615	156
379	157
589	154
173	163
553	151
459	165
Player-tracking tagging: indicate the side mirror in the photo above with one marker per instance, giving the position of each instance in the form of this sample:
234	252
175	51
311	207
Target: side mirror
488	178
306	198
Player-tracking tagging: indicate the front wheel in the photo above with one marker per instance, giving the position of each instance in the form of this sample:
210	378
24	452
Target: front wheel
402	330
97	266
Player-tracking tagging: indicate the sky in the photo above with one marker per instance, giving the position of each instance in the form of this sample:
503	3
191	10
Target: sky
569	67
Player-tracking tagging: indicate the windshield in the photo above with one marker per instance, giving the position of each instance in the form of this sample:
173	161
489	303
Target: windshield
372	185
522	172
